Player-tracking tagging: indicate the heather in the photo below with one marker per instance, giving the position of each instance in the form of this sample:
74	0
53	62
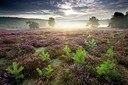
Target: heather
64	57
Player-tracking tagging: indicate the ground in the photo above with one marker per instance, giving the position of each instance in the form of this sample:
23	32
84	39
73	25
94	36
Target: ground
25	46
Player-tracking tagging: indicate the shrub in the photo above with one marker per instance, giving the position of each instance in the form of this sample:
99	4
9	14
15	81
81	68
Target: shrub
79	56
67	50
44	55
110	52
39	71
122	36
46	73
112	36
107	69
90	41
15	70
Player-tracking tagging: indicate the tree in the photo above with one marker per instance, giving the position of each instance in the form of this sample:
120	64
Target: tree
33	25
93	22
117	20
51	21
126	16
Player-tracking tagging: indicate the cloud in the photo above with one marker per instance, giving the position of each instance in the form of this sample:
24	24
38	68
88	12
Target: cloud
60	7
114	4
80	9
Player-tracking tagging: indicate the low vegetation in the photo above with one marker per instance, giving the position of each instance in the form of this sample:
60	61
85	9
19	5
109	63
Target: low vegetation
15	70
67	50
79	56
97	57
107	69
46	72
44	55
90	41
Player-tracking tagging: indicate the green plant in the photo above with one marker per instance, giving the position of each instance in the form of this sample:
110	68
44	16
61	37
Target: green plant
44	55
15	70
46	73
39	71
67	50
107	69
90	41
79	56
112	35
122	36
110	52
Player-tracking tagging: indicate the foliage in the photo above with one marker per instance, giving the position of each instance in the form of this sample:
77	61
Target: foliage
79	56
90	41
110	52
39	71
15	70
122	36
117	21
67	50
44	55
51	21
33	25
107	69
46	73
93	22
113	36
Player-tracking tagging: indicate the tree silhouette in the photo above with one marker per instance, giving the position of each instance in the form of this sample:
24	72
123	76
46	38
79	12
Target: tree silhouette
51	21
93	22
126	17
118	20
32	25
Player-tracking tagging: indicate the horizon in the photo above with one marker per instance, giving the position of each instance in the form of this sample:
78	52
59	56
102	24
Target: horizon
48	18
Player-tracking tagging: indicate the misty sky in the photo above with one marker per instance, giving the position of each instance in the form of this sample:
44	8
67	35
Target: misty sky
62	9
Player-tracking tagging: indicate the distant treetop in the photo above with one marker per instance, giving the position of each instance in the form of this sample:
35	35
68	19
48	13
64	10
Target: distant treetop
33	25
51	22
119	20
93	22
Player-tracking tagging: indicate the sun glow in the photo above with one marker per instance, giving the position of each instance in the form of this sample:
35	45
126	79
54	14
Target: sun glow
69	12
69	25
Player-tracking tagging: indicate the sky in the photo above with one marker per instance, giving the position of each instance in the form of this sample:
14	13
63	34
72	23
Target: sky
62	9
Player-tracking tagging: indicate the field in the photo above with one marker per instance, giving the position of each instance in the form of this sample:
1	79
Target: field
64	57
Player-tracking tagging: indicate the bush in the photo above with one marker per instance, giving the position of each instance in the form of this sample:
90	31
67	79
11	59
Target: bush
107	69
90	41
122	36
15	70
44	55
79	56
46	73
110	52
67	50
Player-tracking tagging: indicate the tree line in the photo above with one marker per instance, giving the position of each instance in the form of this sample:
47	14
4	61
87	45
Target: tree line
118	20
35	25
